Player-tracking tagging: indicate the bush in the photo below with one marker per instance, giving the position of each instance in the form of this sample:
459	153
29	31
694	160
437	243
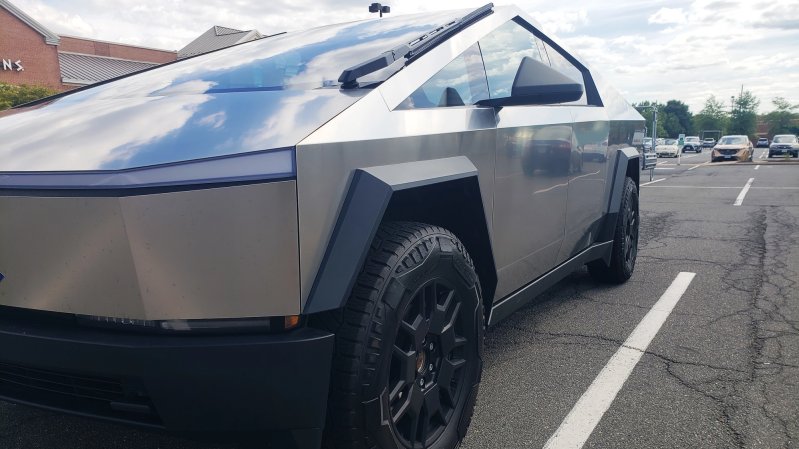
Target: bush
13	95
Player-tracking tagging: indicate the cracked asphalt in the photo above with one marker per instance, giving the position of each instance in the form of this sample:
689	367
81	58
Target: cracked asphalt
722	372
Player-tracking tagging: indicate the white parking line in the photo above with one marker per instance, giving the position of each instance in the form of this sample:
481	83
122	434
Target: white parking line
740	199
592	405
697	166
756	167
652	182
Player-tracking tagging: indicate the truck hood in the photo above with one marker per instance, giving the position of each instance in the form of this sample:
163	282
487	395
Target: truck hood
88	131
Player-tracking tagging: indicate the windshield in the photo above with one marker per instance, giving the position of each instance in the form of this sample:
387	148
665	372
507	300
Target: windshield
733	140
302	60
709	140
692	139
670	142
784	139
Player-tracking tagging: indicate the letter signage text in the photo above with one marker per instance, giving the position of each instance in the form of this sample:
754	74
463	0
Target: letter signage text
10	64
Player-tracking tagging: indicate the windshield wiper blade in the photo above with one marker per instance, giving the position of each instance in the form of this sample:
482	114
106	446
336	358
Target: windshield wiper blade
413	49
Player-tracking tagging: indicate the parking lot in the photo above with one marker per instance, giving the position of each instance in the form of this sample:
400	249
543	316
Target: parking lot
722	367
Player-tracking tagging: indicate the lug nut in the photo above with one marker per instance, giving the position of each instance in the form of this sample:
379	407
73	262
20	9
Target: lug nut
432	346
431	367
421	383
400	395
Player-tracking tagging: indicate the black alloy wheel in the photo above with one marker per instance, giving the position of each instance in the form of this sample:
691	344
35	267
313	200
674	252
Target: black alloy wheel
408	353
426	375
630	217
625	240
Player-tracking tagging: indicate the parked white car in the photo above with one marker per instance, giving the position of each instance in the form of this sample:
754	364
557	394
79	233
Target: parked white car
669	148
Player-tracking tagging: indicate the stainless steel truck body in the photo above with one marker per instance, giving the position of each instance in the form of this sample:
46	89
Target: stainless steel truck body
192	247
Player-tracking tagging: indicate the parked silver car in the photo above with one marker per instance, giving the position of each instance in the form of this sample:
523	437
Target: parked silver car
784	144
305	235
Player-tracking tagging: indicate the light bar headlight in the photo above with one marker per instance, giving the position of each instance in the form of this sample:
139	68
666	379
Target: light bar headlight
222	325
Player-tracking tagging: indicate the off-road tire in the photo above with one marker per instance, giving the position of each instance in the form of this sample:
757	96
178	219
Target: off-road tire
412	271
625	240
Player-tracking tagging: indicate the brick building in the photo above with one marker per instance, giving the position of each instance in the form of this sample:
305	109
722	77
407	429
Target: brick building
32	54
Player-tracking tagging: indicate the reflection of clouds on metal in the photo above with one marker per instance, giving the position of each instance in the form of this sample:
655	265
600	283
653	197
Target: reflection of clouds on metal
85	137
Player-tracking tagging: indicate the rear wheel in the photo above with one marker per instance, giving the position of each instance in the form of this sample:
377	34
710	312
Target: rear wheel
625	241
408	344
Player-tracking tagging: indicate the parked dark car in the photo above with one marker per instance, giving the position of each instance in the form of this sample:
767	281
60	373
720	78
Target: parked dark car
784	144
308	231
762	142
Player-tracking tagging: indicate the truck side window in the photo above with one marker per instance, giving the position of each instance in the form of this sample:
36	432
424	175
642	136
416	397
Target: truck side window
503	51
461	82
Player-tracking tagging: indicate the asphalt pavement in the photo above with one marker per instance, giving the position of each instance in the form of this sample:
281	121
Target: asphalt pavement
720	367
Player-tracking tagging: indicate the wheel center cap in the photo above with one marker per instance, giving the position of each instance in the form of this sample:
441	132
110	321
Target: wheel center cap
420	362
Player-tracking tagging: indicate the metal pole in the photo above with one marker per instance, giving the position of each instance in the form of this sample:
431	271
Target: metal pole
654	138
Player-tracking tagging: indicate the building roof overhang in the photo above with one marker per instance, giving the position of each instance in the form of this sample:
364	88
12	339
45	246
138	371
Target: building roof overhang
49	37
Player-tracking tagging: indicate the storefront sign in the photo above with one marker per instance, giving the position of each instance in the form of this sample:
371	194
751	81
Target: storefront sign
10	64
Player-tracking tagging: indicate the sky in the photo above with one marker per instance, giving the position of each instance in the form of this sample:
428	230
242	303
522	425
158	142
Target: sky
648	49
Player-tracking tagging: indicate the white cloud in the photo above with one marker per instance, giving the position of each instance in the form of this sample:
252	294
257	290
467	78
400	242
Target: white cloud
667	16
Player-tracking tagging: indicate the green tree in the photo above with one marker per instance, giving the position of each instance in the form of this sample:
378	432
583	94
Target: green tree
677	119
743	119
782	120
712	117
13	95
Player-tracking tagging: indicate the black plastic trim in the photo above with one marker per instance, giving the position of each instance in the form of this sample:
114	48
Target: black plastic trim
502	309
625	159
197	385
369	194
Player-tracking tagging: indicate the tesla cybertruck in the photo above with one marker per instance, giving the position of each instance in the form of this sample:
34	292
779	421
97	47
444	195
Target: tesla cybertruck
305	236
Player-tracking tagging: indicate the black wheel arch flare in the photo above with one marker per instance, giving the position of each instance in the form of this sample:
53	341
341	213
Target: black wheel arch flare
442	192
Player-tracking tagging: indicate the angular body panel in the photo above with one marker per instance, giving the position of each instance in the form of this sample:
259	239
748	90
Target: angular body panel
325	168
214	253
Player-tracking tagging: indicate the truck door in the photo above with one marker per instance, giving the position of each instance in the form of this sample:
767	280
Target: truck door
533	165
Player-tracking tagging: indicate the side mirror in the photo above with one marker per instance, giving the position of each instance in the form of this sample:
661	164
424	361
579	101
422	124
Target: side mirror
538	83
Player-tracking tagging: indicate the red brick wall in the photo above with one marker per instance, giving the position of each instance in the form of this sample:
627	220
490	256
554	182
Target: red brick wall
20	42
90	47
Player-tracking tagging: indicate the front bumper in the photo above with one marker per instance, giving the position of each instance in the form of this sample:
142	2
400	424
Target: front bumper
781	151
729	155
210	384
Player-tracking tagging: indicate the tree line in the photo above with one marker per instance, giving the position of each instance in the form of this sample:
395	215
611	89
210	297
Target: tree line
674	117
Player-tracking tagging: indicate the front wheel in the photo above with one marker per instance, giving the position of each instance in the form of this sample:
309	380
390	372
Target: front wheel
625	241
408	357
